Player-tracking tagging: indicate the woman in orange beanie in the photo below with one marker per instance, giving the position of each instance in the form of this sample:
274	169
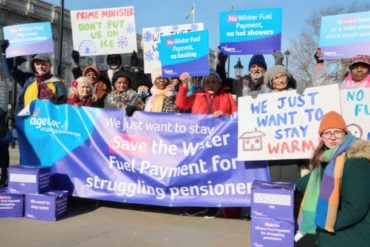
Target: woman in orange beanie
335	210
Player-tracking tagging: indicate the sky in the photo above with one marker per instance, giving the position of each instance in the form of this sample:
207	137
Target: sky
151	13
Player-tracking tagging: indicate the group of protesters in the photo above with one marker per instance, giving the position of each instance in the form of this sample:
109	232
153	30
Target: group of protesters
339	158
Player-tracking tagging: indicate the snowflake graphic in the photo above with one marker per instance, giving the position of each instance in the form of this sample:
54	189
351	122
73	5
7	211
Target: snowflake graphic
149	56
122	42
148	36
130	28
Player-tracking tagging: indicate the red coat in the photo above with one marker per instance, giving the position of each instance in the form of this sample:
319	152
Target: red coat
201	102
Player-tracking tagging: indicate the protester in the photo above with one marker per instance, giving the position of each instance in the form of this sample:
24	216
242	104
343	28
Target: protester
336	204
39	84
143	89
81	93
214	99
253	83
162	98
122	96
359	77
100	89
5	140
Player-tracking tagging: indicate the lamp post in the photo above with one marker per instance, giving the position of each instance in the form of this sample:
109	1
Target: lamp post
61	22
287	53
238	68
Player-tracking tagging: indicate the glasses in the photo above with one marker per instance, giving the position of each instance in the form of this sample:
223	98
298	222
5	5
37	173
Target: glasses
336	133
277	77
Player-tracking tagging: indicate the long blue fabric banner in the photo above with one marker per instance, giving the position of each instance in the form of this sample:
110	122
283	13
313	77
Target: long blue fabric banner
164	159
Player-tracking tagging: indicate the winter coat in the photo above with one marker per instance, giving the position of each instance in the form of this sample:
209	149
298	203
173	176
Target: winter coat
201	102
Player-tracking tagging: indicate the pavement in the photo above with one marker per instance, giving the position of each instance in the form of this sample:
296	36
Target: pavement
92	223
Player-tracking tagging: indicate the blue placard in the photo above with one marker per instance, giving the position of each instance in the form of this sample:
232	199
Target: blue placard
29	39
345	35
186	52
255	31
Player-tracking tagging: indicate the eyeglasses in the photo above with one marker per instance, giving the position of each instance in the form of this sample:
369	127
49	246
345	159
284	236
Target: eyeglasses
277	77
336	133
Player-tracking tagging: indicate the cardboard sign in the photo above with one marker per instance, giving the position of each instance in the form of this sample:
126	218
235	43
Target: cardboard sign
345	35
104	31
29	39
256	31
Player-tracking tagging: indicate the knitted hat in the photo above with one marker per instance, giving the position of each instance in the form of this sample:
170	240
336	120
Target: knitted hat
257	59
277	69
119	74
332	120
93	68
359	59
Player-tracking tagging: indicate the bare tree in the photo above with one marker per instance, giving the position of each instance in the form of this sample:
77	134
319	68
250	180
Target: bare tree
302	49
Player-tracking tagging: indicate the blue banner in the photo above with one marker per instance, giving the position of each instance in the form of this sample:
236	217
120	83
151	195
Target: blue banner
184	52
256	31
165	159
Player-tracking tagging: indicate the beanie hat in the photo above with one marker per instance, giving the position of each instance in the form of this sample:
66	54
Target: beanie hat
277	69
91	67
332	120
258	59
359	59
119	74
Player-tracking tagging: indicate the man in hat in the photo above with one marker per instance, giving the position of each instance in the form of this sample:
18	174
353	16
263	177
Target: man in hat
253	83
39	84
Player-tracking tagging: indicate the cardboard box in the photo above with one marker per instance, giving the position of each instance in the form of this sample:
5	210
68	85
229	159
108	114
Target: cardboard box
267	232
273	200
49	206
24	180
11	205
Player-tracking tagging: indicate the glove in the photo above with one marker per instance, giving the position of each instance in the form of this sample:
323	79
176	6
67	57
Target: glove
300	89
254	94
318	55
130	109
279	57
4	45
76	56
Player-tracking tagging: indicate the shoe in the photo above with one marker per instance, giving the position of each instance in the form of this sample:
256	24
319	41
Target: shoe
196	211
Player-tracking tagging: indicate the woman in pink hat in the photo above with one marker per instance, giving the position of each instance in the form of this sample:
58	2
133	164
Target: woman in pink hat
360	73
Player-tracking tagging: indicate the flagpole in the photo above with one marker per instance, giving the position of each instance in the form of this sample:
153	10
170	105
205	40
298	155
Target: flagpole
193	13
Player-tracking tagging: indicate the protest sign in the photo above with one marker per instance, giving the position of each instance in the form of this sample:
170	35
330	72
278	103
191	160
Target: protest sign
151	38
283	125
256	31
184	52
163	159
345	35
104	31
356	111
29	39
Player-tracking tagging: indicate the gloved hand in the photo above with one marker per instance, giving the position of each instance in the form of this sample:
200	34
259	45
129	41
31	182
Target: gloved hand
279	57
300	89
318	55
254	94
4	45
76	56
130	109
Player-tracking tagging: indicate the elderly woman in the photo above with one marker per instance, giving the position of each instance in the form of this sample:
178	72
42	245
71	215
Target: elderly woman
122	96
336	204
213	99
100	88
163	96
278	79
81	93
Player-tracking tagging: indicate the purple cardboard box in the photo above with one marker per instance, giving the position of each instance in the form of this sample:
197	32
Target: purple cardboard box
25	179
11	205
273	200
49	206
267	232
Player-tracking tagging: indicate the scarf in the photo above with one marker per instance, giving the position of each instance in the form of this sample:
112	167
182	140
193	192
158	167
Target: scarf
321	200
74	100
41	88
159	99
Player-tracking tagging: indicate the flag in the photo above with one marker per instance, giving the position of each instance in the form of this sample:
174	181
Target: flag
191	12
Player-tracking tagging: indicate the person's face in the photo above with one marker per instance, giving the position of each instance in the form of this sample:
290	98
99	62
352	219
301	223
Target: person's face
175	81
257	71
359	71
114	62
332	137
84	90
42	67
212	84
93	77
161	83
142	89
279	82
121	84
